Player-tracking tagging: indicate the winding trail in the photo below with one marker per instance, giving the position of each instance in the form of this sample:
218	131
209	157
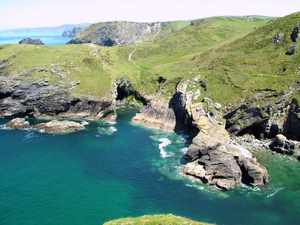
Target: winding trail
131	54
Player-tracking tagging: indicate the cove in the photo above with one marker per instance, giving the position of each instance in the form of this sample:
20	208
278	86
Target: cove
108	172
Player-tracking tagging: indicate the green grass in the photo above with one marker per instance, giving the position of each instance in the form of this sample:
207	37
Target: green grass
62	65
235	55
155	220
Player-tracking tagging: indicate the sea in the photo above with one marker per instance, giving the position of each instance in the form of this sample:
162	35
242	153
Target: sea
110	171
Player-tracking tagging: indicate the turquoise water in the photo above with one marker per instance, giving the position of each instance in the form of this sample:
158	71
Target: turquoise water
116	171
48	40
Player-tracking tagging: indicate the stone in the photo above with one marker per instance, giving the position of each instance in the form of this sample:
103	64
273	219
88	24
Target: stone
282	145
117	33
194	169
30	41
278	38
59	127
24	98
157	114
294	34
291	50
111	118
223	163
18	123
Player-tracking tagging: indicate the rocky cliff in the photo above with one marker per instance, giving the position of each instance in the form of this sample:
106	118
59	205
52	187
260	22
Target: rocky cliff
124	33
19	98
213	157
117	33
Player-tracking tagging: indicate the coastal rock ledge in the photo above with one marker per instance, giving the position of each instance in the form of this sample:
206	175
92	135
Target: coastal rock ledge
213	157
60	127
216	160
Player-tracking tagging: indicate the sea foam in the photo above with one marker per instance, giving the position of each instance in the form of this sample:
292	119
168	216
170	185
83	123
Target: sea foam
164	142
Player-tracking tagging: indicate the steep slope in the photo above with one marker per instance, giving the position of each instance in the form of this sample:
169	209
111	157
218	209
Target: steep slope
123	33
252	63
94	68
172	56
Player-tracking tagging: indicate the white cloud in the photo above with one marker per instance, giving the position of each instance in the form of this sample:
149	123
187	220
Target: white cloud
31	13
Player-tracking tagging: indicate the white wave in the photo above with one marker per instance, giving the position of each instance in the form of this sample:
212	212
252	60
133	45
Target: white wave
184	150
4	127
274	193
107	130
164	142
84	123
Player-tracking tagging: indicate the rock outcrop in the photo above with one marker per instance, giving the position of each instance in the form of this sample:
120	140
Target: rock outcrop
282	145
213	157
222	162
116	33
71	33
264	116
39	99
31	41
59	127
18	123
157	114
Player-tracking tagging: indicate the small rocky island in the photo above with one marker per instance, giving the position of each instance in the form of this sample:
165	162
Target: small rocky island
31	41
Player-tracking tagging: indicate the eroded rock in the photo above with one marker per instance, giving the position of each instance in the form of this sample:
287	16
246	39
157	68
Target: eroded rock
18	123
20	98
158	115
31	41
60	127
223	163
282	145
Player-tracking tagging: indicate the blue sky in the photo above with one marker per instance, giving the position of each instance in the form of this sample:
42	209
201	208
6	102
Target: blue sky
36	13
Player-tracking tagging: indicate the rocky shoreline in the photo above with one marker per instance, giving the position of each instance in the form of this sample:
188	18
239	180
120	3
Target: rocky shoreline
213	157
220	151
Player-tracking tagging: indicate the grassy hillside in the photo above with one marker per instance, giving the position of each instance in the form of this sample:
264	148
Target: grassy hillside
155	220
251	63
235	55
64	65
171	56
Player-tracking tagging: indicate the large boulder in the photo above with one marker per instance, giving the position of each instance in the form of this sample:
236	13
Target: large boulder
18	123
31	41
157	114
214	159
59	127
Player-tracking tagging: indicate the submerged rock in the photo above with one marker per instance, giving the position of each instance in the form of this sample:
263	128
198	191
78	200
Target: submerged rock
31	41
60	127
18	123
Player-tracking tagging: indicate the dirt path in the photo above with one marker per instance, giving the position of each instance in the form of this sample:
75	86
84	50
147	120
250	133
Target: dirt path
131	54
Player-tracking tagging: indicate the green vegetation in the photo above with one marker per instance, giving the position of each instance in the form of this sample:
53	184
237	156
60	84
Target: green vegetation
155	220
62	65
235	55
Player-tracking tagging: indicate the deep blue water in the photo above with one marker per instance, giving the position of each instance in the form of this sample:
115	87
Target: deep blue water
108	172
48	40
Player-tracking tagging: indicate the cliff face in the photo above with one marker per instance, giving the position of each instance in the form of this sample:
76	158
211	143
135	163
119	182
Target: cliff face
117	33
19	99
212	158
